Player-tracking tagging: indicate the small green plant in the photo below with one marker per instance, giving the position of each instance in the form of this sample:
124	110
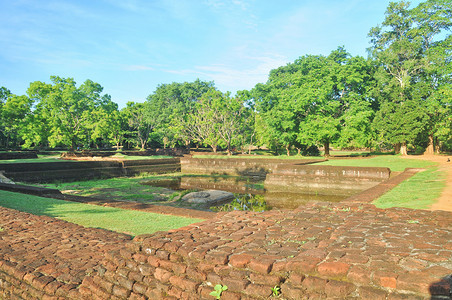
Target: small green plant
218	290
413	221
276	290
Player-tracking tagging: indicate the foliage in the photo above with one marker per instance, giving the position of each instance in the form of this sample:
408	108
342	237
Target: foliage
218	290
246	202
276	290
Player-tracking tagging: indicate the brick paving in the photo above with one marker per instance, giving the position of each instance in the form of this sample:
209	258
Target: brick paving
40	255
319	251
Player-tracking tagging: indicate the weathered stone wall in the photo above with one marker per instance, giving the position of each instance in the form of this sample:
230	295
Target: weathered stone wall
298	174
83	170
18	155
321	251
257	167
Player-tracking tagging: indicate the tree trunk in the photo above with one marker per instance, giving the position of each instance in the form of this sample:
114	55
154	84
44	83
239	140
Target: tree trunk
436	145
299	151
187	144
403	149
326	145
288	150
214	148
396	148
430	148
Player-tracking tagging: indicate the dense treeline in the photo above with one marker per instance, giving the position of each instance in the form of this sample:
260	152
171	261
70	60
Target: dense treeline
399	96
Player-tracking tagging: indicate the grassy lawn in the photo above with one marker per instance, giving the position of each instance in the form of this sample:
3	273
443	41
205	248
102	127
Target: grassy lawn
394	162
115	219
122	188
259	156
418	192
56	158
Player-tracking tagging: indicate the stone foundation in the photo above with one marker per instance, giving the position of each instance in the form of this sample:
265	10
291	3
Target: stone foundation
85	170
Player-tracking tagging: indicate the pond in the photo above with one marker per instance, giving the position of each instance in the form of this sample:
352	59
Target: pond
255	194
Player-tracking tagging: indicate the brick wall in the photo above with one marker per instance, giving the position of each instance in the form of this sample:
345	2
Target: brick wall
83	170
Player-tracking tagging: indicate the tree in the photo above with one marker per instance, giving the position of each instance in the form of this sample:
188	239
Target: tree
14	114
140	125
403	47
170	104
68	110
317	100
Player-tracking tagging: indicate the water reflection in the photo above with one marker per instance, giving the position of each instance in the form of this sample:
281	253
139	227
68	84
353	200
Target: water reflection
280	194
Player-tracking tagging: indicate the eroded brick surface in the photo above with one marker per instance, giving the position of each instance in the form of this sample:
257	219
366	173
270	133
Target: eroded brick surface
318	251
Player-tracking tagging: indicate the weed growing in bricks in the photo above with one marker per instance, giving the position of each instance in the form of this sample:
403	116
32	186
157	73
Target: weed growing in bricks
218	290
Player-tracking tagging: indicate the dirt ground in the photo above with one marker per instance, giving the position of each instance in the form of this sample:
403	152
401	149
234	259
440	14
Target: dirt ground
445	200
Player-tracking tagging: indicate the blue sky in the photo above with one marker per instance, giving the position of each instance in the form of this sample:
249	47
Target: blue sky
132	46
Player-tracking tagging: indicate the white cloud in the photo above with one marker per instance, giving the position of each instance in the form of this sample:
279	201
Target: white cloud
137	68
232	77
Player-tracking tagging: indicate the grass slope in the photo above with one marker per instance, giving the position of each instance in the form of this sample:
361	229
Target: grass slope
115	219
394	162
417	192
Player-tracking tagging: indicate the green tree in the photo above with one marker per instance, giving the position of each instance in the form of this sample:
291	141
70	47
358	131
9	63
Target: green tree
67	109
14	111
404	46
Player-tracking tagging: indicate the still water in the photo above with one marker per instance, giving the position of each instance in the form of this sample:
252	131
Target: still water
279	195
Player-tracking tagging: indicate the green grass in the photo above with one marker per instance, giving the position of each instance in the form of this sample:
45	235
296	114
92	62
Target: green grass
394	162
259	156
115	219
417	192
41	158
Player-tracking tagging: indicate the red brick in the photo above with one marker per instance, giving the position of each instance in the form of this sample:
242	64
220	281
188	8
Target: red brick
162	254
371	293
199	276
339	289
265	279
359	274
120	291
42	281
214	278
125	282
261	265
141	258
301	266
52	287
228	295
240	260
333	269
184	284
385	279
235	285
258	290
162	275
139	288
204	291
135	276
175	292
154	261
134	296
146	269
295	279
290	291
177	268
126	253
314	284
217	258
